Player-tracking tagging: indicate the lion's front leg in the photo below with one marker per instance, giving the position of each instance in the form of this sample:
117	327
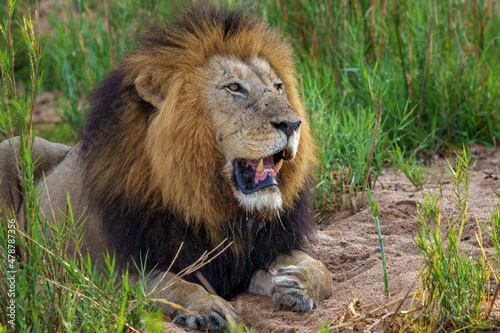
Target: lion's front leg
204	311
296	282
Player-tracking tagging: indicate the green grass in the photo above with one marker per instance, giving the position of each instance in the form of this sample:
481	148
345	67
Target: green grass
439	56
415	75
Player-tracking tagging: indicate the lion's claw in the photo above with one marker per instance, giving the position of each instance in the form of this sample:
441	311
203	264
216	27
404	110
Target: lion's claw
213	320
288	291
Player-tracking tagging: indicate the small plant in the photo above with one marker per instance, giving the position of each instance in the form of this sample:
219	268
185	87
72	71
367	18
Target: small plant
234	327
453	281
325	328
460	177
412	169
374	208
429	209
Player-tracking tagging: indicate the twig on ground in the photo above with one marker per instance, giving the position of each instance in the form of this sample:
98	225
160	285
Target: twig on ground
357	319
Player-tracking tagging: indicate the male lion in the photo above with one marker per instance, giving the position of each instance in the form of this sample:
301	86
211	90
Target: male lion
198	136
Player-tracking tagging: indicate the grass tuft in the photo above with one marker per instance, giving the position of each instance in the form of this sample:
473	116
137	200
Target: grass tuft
454	280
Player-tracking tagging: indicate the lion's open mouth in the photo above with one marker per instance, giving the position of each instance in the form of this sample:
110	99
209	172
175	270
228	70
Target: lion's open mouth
254	175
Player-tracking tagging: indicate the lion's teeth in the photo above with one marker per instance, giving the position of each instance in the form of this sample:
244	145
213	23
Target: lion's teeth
284	152
278	166
260	167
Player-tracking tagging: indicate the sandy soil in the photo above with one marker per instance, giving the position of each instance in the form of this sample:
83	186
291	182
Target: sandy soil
348	245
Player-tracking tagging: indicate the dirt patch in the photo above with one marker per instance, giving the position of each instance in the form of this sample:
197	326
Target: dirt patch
348	245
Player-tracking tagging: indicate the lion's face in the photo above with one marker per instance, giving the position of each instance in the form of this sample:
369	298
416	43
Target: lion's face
255	127
207	125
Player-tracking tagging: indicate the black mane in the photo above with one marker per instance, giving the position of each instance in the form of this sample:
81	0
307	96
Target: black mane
155	238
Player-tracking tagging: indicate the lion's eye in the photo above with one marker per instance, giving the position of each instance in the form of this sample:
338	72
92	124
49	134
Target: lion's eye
279	87
234	87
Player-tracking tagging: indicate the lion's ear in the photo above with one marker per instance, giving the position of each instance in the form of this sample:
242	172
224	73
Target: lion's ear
147	92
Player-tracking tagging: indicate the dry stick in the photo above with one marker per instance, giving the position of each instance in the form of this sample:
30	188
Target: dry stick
371	313
400	48
332	42
130	308
427	61
372	25
117	29
404	298
410	65
85	60
9	46
108	33
420	145
442	326
480	243
35	38
495	295
383	10
487	15
304	99
172	304
205	283
200	262
378	114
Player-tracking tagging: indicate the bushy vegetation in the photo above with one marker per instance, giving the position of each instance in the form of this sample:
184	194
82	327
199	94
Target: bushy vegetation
433	68
380	80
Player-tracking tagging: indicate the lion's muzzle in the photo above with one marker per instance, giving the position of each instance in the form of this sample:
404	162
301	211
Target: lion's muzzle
254	175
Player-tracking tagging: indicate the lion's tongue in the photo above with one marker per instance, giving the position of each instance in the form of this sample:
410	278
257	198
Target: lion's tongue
267	169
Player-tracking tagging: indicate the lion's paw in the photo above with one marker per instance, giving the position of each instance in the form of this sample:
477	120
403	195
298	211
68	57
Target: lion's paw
290	291
210	314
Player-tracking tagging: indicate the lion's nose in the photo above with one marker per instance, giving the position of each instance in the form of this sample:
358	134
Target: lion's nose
287	126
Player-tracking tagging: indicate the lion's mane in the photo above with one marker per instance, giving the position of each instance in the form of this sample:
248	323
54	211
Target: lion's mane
153	176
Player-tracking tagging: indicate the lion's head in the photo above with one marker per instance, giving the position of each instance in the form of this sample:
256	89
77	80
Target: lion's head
203	118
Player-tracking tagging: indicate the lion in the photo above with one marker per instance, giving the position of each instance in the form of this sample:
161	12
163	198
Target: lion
198	136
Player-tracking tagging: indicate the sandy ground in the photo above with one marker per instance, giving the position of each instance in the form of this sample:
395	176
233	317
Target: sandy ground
348	245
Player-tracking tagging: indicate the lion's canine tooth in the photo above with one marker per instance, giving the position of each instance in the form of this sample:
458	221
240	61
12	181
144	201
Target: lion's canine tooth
278	166
260	167
284	152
